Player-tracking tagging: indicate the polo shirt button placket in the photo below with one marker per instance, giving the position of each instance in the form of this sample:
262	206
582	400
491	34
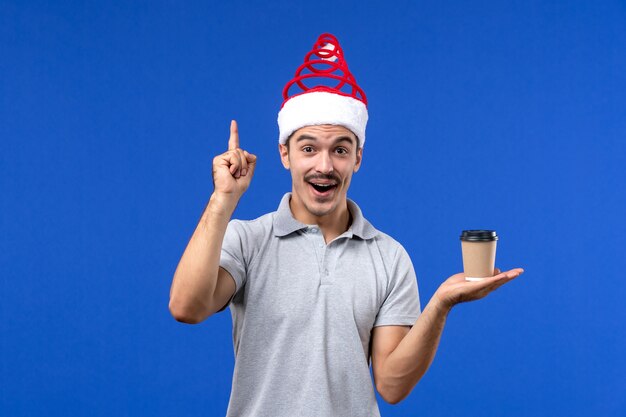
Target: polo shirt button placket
324	266
318	245
321	251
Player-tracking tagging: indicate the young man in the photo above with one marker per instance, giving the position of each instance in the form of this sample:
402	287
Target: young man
315	291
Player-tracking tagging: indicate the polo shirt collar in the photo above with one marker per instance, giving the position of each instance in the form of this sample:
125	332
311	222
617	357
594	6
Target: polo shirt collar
285	223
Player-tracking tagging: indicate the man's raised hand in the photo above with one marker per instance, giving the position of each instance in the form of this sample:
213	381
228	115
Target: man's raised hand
233	170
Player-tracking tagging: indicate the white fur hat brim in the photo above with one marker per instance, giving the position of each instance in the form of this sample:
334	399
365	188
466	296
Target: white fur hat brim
322	108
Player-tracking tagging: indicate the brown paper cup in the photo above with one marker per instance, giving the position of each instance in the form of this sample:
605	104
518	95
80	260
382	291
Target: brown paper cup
479	253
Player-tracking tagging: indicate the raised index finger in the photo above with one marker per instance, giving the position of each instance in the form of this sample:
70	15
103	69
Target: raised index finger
233	141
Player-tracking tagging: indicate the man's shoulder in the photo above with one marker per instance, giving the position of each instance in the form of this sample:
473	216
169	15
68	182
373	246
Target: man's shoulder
249	236
392	252
261	224
388	243
386	239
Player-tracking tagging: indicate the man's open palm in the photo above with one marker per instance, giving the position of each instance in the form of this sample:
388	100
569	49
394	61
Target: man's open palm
457	290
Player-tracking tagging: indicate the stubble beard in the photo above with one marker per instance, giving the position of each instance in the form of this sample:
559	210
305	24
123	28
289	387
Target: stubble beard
321	212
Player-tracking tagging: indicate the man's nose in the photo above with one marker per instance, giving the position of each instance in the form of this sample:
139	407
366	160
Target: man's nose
324	163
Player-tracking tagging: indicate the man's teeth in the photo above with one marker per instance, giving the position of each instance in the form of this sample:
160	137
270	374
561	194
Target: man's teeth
323	187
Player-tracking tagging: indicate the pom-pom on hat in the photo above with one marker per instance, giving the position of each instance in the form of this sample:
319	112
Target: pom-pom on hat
328	93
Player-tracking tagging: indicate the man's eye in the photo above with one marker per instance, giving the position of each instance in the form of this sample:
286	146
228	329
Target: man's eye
342	151
307	149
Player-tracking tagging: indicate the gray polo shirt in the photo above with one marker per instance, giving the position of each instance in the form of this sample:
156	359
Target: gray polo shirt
303	313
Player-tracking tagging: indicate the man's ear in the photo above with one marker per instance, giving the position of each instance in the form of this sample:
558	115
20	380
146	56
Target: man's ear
283	150
359	158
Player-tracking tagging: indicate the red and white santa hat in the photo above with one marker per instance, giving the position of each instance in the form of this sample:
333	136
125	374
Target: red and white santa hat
326	93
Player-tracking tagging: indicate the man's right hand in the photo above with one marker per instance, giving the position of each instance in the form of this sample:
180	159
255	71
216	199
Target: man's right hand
232	170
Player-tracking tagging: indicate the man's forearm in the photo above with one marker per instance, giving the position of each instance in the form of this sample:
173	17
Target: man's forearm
410	360
195	278
412	356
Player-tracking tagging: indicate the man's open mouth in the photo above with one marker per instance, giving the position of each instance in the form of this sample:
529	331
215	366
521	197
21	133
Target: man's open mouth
323	188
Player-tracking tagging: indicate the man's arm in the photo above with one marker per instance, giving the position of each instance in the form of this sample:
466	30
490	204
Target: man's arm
402	355
200	287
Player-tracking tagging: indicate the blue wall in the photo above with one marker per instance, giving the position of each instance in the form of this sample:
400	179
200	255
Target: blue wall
495	114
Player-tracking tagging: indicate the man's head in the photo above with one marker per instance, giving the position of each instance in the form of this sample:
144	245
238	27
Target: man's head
322	131
321	159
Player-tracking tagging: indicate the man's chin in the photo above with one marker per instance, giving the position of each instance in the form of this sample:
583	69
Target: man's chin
322	208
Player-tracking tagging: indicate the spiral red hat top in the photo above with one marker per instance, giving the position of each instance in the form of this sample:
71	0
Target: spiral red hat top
323	91
325	64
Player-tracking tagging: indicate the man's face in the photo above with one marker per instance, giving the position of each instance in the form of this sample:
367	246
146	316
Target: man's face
322	160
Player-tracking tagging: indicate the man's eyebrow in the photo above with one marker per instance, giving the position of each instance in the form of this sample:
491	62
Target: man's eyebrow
345	139
305	137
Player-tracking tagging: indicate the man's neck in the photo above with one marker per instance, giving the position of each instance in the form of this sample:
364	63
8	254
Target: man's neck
331	225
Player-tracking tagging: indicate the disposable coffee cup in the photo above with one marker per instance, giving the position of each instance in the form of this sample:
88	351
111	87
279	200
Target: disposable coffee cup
479	253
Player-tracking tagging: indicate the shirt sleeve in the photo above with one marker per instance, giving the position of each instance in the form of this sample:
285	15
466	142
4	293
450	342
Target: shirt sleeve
233	254
402	304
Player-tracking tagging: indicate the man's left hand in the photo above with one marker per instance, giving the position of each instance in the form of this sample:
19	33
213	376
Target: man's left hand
457	290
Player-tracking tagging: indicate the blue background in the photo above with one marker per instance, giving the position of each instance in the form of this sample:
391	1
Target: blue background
507	115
